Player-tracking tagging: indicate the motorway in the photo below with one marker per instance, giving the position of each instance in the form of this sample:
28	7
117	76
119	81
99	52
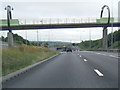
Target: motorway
81	69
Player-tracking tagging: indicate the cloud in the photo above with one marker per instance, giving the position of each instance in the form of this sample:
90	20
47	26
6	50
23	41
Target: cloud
59	9
55	9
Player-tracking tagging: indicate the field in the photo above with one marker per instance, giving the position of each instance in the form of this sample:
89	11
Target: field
16	58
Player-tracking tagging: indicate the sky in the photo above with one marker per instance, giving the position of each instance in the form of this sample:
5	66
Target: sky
38	9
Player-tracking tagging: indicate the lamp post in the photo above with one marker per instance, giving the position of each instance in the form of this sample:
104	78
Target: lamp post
37	38
9	15
9	34
89	39
105	41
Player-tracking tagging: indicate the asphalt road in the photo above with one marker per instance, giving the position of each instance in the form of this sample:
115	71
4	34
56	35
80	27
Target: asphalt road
71	70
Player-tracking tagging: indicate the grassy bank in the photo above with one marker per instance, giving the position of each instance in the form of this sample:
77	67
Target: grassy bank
113	42
0	62
16	58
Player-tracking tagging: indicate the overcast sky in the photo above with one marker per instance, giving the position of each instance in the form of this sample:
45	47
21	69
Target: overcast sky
37	9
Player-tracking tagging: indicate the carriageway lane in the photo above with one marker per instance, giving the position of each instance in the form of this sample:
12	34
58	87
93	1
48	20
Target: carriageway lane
107	63
67	70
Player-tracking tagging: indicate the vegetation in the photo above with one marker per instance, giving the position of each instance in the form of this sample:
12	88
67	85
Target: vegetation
19	57
18	40
0	62
97	44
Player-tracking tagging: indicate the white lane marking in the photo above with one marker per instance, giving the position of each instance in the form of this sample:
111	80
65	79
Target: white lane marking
113	56
108	55
98	72
98	53
102	54
85	60
84	51
80	56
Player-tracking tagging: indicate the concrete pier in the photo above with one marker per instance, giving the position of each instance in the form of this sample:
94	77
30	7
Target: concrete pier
10	39
105	40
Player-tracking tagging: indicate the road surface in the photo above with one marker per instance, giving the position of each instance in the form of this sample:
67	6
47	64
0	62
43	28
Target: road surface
82	69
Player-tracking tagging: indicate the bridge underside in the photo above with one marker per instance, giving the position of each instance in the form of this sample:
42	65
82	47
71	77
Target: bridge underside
55	26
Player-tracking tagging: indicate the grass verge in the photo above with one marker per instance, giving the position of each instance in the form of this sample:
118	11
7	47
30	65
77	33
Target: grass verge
0	62
17	58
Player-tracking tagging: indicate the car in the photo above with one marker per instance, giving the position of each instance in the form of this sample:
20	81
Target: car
68	50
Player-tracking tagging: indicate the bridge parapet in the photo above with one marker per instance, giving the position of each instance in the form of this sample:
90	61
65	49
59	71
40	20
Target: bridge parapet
65	20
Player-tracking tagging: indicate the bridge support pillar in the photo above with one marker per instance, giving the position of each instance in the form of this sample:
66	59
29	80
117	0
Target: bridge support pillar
10	39
105	40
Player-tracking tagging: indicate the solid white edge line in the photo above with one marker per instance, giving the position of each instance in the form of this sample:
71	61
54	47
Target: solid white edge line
98	72
98	53
107	55
113	56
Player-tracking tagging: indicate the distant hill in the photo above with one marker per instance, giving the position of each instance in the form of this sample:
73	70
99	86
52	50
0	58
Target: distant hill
20	40
54	43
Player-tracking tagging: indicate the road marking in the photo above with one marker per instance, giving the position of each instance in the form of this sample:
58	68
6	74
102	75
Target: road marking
85	60
98	72
98	53
113	56
103	54
80	56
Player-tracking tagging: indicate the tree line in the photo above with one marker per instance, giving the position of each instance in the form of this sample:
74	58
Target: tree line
113	42
20	40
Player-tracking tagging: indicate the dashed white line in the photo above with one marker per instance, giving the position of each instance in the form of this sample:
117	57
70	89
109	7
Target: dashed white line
98	72
80	56
85	60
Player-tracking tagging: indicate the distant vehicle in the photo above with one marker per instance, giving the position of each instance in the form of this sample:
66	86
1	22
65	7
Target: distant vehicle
64	49
69	50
